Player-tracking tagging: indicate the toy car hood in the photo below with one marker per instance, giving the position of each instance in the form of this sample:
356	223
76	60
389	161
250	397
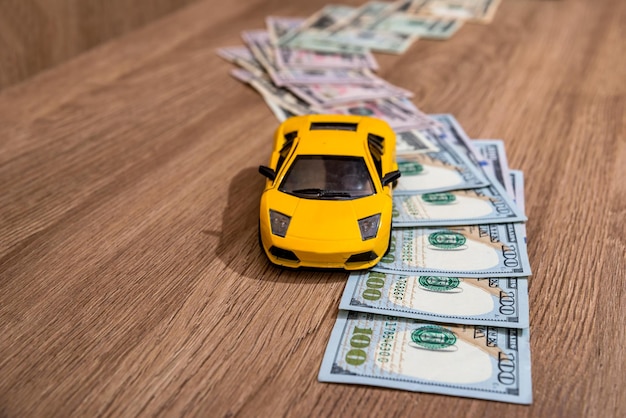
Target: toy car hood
329	220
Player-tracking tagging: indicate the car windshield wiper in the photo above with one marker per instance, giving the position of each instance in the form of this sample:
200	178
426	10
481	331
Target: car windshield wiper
322	192
309	191
329	193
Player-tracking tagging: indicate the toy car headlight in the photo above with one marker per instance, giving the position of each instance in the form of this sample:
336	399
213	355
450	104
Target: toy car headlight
279	223
369	226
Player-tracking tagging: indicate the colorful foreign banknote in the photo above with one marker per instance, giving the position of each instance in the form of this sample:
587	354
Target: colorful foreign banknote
439	171
474	361
480	251
499	302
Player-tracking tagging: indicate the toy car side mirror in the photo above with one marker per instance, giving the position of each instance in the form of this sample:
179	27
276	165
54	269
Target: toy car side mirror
267	172
390	177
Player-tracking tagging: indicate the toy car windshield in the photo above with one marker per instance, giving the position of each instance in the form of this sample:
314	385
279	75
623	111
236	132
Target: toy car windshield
328	177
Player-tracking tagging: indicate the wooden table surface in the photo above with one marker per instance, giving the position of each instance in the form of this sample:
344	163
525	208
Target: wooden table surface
131	281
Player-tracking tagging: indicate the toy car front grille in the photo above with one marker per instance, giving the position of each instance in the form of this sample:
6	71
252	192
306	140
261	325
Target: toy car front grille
362	257
282	253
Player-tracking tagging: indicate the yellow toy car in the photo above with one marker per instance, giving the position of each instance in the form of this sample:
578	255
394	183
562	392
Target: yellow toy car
328	196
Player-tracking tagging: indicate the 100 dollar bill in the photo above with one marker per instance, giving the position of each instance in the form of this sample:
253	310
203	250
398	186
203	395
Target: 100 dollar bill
517	185
313	33
501	302
495	163
486	205
460	360
442	170
480	11
290	57
494	250
260	45
426	27
413	142
457	136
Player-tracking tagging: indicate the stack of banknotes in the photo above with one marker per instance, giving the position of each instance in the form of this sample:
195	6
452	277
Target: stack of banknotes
324	63
446	309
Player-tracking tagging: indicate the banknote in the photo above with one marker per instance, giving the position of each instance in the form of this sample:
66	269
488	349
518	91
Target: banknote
280	96
278	26
498	302
517	191
494	159
432	125
252	73
474	361
320	21
259	44
280	113
409	143
486	205
457	136
390	110
365	17
304	58
321	42
312	34
481	251
478	11
241	56
517	185
409	6
439	171
425	27
328	95
379	41
354	30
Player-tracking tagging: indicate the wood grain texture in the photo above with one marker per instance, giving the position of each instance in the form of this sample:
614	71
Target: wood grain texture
39	34
131	282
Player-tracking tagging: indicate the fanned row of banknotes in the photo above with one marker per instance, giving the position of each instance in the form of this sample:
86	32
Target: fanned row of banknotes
446	309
